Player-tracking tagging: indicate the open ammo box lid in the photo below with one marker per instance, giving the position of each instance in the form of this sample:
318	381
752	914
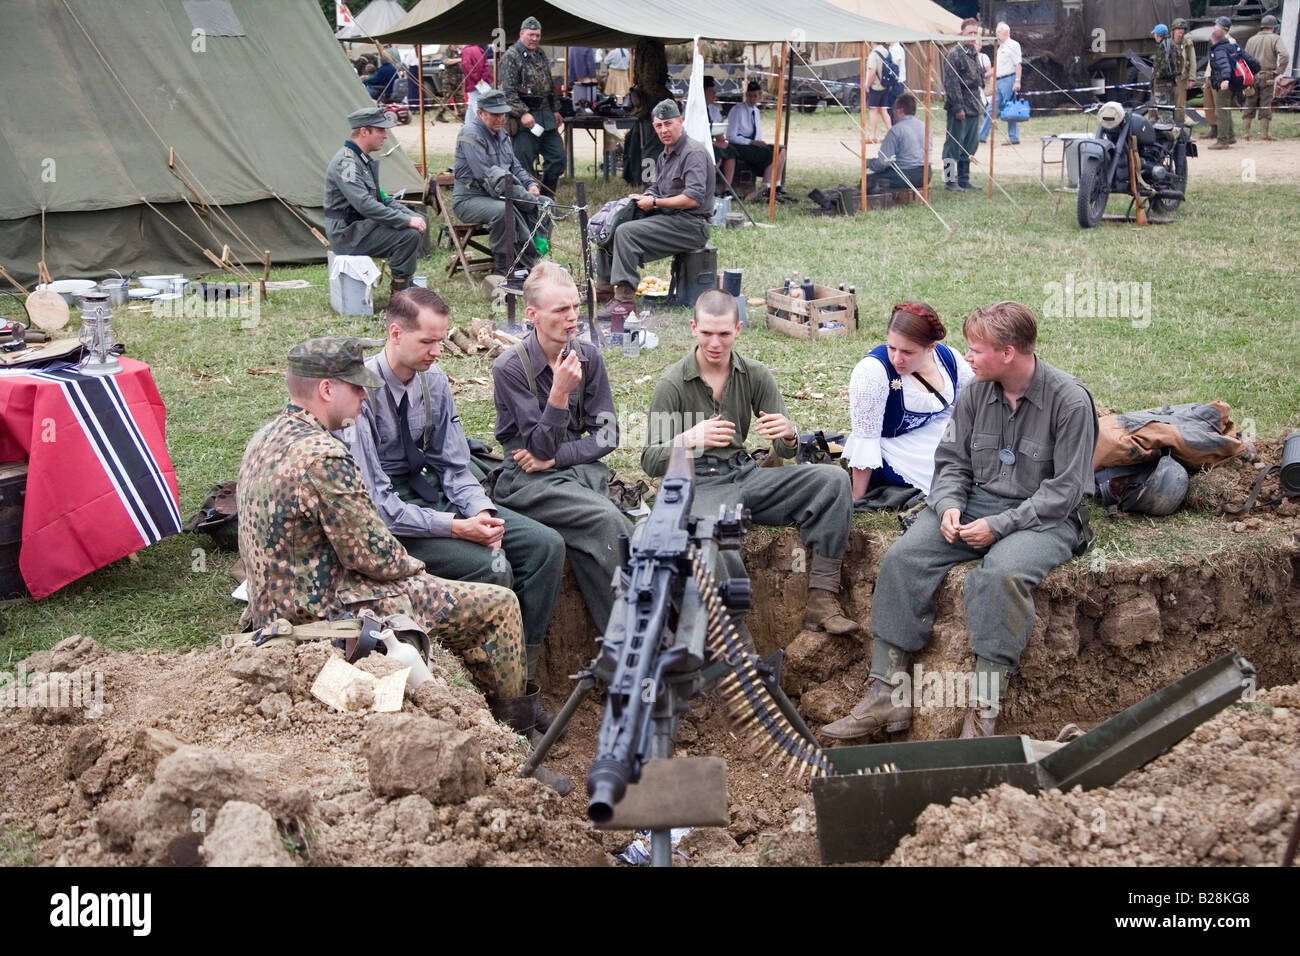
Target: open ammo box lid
863	816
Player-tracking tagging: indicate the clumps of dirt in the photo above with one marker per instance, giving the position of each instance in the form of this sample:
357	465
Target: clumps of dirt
1230	483
223	757
1227	795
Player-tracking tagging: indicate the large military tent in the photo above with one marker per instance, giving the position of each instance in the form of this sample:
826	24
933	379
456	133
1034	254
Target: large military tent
136	134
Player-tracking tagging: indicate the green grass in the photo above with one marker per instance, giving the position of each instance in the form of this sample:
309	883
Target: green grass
17	847
1224	323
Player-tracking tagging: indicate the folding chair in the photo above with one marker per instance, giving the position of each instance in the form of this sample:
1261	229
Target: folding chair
466	238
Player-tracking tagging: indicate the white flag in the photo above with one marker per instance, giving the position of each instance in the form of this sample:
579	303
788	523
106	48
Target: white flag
696	120
342	15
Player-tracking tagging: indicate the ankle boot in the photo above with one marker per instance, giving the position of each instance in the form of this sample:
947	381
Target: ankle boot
542	719
990	688
875	711
823	612
1245	127
517	714
1263	126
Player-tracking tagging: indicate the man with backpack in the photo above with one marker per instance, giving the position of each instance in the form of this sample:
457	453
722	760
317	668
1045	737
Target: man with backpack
882	75
1267	49
1227	77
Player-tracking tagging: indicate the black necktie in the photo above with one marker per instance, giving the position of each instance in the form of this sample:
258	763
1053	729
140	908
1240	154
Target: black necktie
414	458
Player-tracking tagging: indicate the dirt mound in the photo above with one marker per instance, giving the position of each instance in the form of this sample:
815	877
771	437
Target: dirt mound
225	758
1228	794
1230	484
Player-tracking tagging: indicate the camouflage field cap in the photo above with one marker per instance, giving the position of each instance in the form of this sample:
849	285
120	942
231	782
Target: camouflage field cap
493	101
1180	24
334	357
370	116
531	23
666	109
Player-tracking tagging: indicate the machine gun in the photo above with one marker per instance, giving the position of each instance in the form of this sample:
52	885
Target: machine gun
672	634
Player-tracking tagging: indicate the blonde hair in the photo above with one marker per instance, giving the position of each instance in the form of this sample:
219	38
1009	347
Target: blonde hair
545	272
1002	324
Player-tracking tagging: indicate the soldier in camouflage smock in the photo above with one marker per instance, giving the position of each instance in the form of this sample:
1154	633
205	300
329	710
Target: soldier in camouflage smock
314	545
1172	66
525	78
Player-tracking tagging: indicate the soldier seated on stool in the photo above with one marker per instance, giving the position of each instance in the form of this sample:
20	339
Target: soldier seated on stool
483	154
707	401
360	220
673	213
415	462
1009	479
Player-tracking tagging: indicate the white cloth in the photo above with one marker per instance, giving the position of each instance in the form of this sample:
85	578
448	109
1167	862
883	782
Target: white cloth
899	57
1008	57
910	454
361	268
695	120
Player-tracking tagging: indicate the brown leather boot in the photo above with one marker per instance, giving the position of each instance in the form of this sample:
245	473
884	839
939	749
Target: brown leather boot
517	714
1263	125
1245	128
977	724
875	711
1212	134
823	613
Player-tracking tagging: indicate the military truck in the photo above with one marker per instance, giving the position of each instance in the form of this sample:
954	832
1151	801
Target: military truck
1097	45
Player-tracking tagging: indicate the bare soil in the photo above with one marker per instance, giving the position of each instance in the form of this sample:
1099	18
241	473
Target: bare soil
212	755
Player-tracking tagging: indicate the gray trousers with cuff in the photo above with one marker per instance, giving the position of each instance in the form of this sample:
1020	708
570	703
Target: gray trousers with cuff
644	240
998	592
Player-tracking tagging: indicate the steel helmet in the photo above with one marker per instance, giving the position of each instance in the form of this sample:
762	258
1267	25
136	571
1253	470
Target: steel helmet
1180	24
1268	21
1225	22
1111	115
1160	30
1164	489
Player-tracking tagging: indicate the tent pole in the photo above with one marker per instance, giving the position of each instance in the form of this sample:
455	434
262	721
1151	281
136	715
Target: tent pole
424	155
862	122
501	26
929	82
776	146
789	88
993	108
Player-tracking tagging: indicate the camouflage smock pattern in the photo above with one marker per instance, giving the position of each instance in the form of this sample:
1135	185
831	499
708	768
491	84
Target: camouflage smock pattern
314	546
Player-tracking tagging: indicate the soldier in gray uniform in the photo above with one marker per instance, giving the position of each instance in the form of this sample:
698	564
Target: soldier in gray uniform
676	210
525	78
556	420
360	220
483	154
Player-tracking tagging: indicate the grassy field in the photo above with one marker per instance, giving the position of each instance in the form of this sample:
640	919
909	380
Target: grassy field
1216	316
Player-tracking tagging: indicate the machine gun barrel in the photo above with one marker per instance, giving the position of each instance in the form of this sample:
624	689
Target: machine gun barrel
636	638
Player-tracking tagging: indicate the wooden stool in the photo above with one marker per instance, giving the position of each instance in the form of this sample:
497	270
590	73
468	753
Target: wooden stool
466	237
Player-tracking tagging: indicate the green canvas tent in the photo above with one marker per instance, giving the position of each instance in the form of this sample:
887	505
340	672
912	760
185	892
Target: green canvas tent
136	134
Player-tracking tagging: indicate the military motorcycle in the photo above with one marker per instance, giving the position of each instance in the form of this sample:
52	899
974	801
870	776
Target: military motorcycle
1162	150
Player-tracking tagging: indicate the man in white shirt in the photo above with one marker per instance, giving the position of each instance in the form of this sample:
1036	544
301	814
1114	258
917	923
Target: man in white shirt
880	87
1010	62
745	136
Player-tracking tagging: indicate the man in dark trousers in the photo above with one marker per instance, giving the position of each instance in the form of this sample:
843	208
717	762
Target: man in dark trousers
414	460
360	220
1010	475
963	78
525	78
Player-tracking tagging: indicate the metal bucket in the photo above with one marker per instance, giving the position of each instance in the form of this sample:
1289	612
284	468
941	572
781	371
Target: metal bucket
117	292
1290	477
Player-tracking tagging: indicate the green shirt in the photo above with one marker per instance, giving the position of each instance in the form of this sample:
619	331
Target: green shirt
683	399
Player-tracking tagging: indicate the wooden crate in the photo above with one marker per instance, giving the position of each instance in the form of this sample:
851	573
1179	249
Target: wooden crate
806	319
13	491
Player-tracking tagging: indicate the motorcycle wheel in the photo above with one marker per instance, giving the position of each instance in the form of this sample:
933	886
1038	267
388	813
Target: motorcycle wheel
1177	165
1093	193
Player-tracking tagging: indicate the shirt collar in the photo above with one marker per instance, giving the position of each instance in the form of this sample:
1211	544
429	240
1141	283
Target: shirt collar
738	364
1034	393
391	381
293	410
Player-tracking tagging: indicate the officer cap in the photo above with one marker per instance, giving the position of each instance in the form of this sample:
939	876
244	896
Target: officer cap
1160	29
334	357
531	23
1180	24
370	116
666	109
493	101
1268	21
1224	22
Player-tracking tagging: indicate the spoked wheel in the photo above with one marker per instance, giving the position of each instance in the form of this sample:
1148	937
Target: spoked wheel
1093	193
1176	163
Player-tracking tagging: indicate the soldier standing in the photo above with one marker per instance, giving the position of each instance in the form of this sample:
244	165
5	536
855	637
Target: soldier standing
1266	47
525	78
963	78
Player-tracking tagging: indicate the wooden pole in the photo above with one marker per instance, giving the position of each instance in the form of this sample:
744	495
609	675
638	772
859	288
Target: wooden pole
993	131
789	85
929	82
424	155
862	121
776	146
